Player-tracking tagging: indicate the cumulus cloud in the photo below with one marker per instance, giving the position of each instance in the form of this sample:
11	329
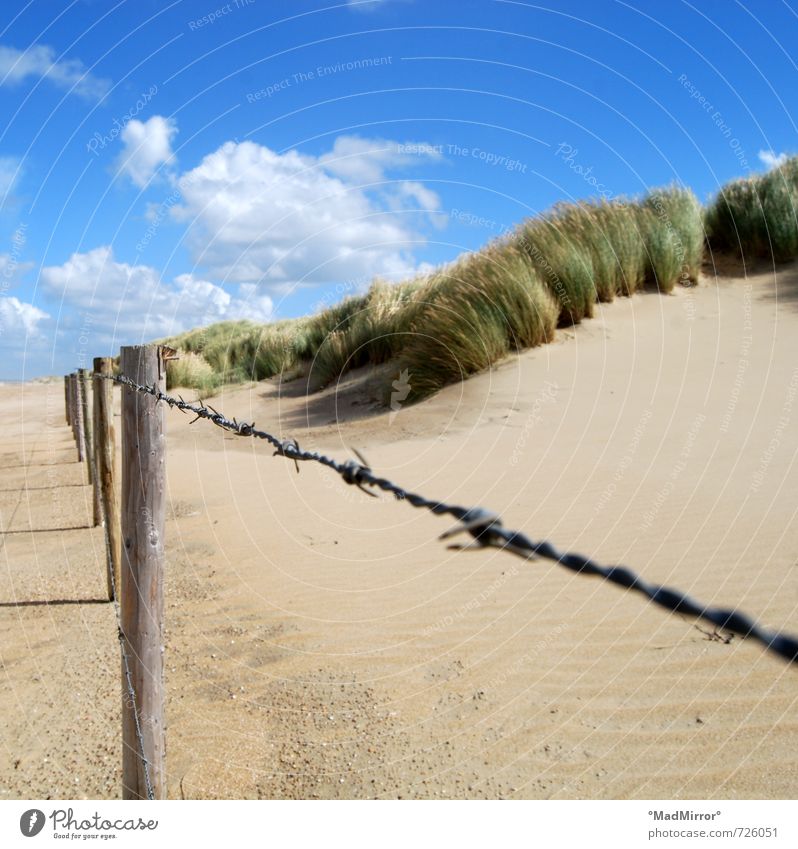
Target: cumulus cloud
772	160
132	302
19	319
289	219
356	159
40	61
147	146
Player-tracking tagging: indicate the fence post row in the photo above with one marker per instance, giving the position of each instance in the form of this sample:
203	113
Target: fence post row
143	515
105	470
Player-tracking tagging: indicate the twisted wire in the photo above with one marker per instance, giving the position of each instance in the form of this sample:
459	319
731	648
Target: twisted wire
486	530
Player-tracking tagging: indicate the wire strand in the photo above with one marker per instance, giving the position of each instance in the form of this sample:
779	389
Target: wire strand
486	530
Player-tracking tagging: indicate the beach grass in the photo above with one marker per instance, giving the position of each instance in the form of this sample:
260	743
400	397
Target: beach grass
757	217
550	271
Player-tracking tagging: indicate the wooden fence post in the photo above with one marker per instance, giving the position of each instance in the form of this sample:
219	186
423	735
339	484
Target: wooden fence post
66	399
89	419
105	468
72	414
85	420
80	434
143	514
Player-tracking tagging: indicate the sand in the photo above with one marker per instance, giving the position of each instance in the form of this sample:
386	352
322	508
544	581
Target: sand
321	643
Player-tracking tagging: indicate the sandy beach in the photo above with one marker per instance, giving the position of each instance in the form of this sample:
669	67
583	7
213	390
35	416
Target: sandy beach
325	644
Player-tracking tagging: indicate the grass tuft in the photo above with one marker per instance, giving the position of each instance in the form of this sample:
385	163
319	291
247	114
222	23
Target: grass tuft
757	216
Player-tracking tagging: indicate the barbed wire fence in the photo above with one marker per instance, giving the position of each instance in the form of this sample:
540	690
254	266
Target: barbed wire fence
483	527
486	529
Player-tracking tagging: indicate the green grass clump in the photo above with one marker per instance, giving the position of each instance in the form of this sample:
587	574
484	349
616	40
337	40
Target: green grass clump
675	240
191	371
331	320
610	233
238	351
564	264
472	314
370	335
757	216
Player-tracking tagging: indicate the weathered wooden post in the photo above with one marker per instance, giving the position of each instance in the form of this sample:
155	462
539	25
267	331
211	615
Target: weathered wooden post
89	418
80	433
66	399
73	414
143	514
71	405
105	468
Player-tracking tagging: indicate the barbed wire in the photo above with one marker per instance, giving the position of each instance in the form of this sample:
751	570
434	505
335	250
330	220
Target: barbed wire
486	528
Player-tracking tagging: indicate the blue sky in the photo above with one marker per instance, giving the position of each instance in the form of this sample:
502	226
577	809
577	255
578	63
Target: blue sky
165	165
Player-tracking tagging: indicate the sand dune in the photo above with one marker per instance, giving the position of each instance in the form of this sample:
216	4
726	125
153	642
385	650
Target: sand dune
321	643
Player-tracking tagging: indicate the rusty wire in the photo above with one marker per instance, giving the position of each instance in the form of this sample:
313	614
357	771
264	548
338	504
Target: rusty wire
486	530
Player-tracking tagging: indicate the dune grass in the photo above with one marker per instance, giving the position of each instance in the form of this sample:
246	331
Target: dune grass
370	330
193	371
757	216
550	271
472	314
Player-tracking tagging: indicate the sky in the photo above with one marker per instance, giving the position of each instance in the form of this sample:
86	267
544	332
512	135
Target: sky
166	165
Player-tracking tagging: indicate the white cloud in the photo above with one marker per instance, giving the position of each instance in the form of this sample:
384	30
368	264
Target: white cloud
362	160
18	319
40	61
411	195
772	160
255	215
132	302
147	146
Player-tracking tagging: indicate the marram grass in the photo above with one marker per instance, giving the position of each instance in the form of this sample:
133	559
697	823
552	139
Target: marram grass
757	217
510	295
